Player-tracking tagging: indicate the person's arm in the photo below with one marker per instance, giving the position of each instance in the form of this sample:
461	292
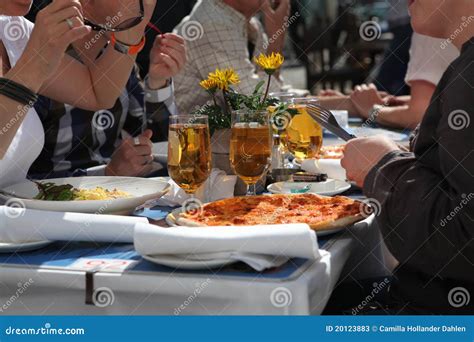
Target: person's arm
408	115
96	85
427	215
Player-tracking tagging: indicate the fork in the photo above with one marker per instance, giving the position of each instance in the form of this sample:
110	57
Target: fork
326	119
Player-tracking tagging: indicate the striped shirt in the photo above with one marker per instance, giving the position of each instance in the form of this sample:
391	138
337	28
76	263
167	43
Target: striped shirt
80	142
218	36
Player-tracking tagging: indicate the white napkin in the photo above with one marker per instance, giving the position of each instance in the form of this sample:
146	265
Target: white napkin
23	225
260	247
217	187
331	167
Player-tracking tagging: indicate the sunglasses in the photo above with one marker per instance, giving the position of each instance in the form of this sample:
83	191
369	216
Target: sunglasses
124	26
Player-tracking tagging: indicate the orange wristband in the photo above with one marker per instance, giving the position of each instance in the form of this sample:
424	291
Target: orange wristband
127	49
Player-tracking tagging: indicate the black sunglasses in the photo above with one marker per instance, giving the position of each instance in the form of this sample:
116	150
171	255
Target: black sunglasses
126	25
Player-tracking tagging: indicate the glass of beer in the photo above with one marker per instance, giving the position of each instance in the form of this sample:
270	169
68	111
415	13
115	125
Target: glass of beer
251	146
189	151
304	136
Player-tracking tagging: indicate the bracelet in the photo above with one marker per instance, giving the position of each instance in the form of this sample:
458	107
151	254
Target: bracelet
17	92
127	49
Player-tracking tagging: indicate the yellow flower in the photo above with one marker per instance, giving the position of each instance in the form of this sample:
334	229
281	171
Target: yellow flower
224	78
209	84
269	63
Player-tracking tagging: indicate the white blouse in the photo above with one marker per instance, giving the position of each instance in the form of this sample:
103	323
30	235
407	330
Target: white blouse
29	139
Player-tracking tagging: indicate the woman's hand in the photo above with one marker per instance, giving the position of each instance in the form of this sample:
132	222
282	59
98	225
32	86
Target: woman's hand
362	154
167	59
49	40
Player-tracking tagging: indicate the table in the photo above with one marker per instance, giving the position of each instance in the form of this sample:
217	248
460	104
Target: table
53	281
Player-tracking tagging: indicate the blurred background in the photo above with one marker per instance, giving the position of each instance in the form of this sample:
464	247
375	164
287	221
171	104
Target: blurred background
330	43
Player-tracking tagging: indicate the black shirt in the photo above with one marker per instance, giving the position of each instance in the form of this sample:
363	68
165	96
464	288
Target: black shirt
427	198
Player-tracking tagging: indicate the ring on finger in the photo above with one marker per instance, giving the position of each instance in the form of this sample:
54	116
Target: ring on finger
70	23
136	141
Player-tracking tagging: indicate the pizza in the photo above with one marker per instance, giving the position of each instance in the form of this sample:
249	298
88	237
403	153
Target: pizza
320	213
331	152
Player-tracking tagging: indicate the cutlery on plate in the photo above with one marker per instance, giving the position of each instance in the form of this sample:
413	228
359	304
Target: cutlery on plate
326	119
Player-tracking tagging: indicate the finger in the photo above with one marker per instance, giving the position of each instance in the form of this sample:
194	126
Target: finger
63	27
62	15
174	37
74	34
358	88
170	63
180	48
59	5
141	150
372	86
143	140
364	87
176	55
148	134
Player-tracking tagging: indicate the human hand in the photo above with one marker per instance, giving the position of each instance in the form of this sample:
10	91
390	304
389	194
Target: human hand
132	160
330	92
362	154
167	59
364	97
276	16
57	26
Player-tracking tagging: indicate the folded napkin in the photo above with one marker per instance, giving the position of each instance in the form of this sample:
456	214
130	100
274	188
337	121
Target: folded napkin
260	247
23	225
331	167
217	187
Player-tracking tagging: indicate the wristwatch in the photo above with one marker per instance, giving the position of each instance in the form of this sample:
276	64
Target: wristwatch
374	113
127	49
158	95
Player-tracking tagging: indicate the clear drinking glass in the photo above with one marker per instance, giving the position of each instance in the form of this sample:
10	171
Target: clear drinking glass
189	151
304	136
251	146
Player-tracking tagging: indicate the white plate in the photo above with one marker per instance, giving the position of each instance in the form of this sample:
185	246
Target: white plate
22	247
188	263
331	167
141	190
328	188
171	221
160	152
369	132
